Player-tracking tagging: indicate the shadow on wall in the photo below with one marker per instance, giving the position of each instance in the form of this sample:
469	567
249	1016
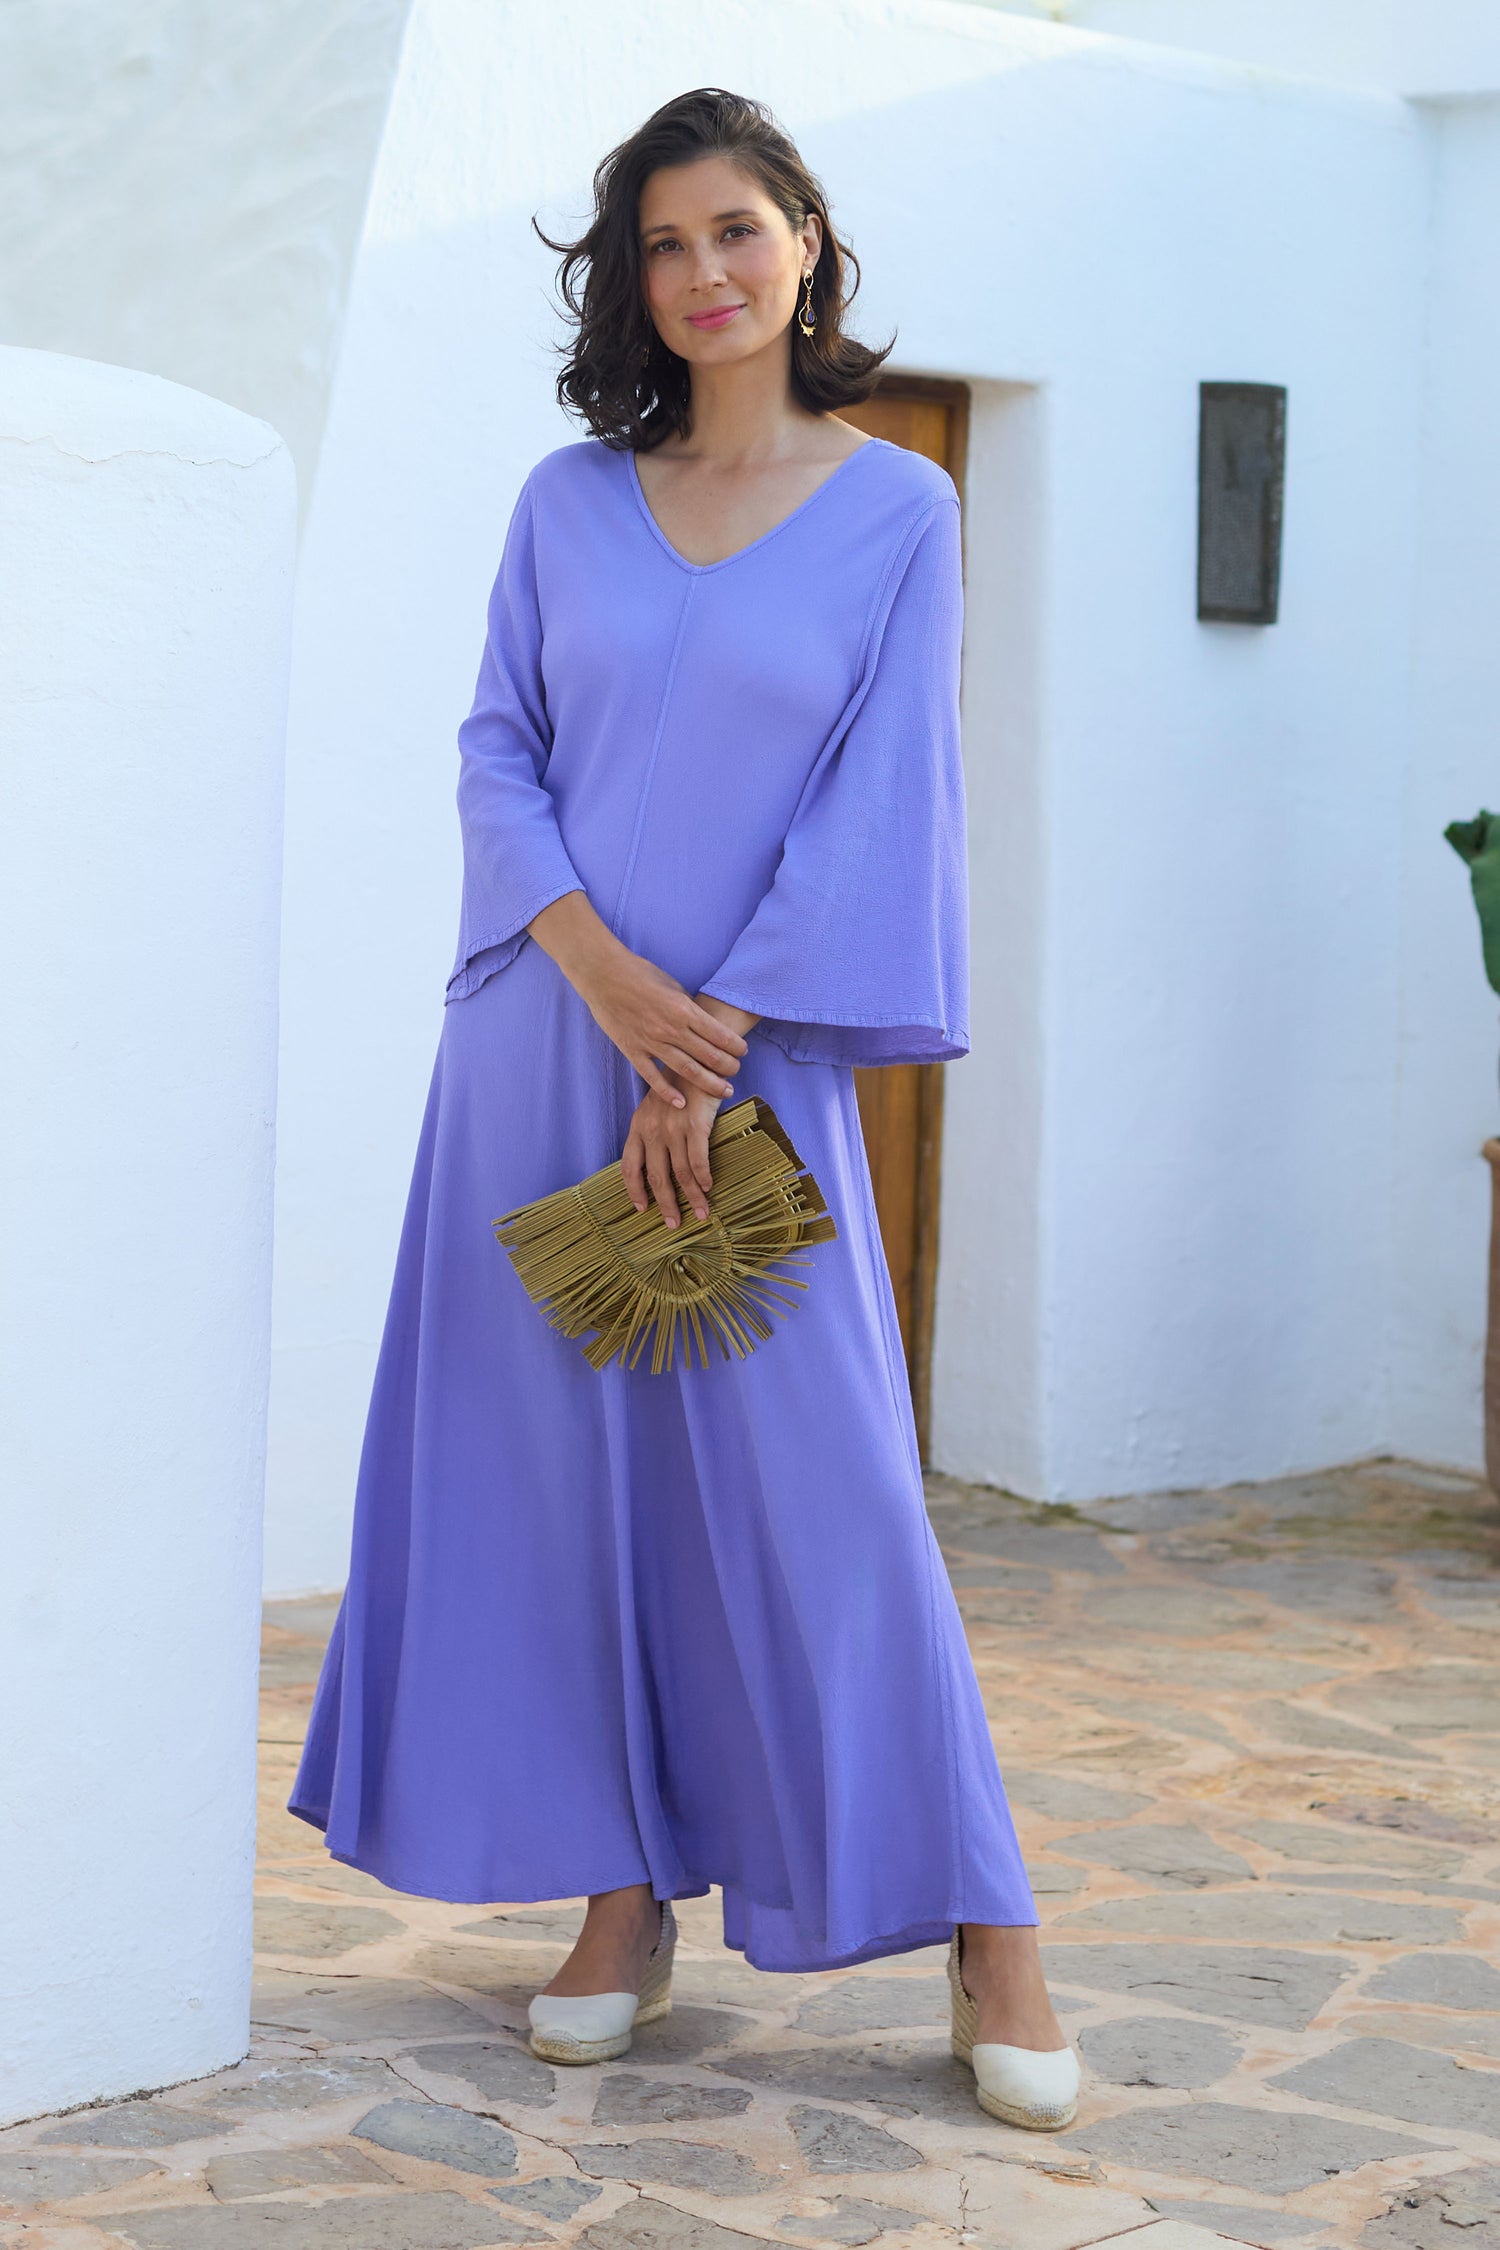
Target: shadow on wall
184	187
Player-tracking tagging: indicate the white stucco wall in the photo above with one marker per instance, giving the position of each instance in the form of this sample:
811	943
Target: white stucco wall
145	584
1191	996
1446	1094
1395	46
1218	964
183	185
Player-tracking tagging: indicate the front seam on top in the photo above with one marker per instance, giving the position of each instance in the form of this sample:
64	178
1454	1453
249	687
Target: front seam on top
661	728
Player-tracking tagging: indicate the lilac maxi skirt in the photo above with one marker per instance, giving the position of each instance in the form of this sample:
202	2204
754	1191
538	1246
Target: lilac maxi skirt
686	1629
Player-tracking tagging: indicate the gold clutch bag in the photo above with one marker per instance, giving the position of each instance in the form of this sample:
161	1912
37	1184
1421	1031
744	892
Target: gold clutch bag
599	1268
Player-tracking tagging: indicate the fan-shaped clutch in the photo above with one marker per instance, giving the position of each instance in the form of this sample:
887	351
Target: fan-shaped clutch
599	1268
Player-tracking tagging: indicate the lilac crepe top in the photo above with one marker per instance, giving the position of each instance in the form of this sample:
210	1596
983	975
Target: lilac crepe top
751	766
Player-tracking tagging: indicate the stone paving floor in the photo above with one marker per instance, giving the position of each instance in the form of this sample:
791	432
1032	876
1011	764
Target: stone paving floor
1253	1739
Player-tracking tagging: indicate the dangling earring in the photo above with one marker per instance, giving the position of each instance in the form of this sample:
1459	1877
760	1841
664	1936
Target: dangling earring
806	319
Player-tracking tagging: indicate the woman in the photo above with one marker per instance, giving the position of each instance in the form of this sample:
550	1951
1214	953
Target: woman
632	1635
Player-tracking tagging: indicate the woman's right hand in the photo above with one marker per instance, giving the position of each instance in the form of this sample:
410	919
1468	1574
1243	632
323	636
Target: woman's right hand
647	1014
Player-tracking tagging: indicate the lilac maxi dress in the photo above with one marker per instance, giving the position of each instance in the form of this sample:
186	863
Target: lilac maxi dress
692	1628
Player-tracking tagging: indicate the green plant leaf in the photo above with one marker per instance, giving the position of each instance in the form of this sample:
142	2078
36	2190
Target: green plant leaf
1477	842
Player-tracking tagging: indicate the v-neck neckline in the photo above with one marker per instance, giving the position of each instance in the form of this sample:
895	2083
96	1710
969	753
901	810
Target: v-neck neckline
701	570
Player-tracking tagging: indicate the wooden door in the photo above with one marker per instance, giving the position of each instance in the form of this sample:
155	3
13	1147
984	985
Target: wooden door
901	1106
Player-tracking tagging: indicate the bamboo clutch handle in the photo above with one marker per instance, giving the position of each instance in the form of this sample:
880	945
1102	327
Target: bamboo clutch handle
598	1268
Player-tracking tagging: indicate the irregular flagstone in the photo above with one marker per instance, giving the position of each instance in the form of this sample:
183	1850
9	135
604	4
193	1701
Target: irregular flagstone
832	2141
733	1982
246	2172
366	2222
1438	1980
686	2164
1465	2035
555	1912
1239	1670
1018	1576
1171	1720
1023	1539
688	2032
1102	1710
1281	1915
1189	1611
1408	1816
1343	1846
1059	1797
1163	1511
1338	1585
1311	1729
358	2011
256	2088
1180	1858
1395	2080
1274	2151
441	2135
874	2003
899	2078
1196	1547
1255	1985
998	1606
1242	2222
290	1666
562	1929
1109	1743
1468	1598
648	2225
29	2177
557	2196
295	1925
1424	1886
309	1616
1053	1878
1332	1495
848	2219
503	1971
1458	2211
635	2098
1158	2051
1408	1475
138	2124
1443	1696
499	2069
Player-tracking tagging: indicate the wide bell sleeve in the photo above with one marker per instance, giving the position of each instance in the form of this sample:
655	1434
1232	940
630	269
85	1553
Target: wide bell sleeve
514	859
858	951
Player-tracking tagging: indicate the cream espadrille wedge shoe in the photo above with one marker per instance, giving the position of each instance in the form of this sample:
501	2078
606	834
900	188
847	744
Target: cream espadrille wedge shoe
592	2027
1034	2088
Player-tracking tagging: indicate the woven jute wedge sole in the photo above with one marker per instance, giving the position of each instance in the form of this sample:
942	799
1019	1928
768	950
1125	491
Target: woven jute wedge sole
653	2001
1035	2116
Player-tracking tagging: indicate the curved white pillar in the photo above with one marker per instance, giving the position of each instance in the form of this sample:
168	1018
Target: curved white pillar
145	586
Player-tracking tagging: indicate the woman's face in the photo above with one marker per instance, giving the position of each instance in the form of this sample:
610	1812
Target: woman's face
721	267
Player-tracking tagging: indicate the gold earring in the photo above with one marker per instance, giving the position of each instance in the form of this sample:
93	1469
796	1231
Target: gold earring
806	320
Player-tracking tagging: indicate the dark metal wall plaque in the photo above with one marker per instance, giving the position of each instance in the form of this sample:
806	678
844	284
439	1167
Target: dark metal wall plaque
1241	466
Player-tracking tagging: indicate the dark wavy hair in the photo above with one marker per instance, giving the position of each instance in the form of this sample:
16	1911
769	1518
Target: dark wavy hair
618	374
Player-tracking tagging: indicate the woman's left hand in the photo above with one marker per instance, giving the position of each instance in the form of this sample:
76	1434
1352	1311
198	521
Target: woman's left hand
667	1145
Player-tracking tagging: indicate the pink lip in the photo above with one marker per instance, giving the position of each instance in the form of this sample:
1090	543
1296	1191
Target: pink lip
721	315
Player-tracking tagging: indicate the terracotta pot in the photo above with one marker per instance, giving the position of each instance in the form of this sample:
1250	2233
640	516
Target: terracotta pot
1492	1339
